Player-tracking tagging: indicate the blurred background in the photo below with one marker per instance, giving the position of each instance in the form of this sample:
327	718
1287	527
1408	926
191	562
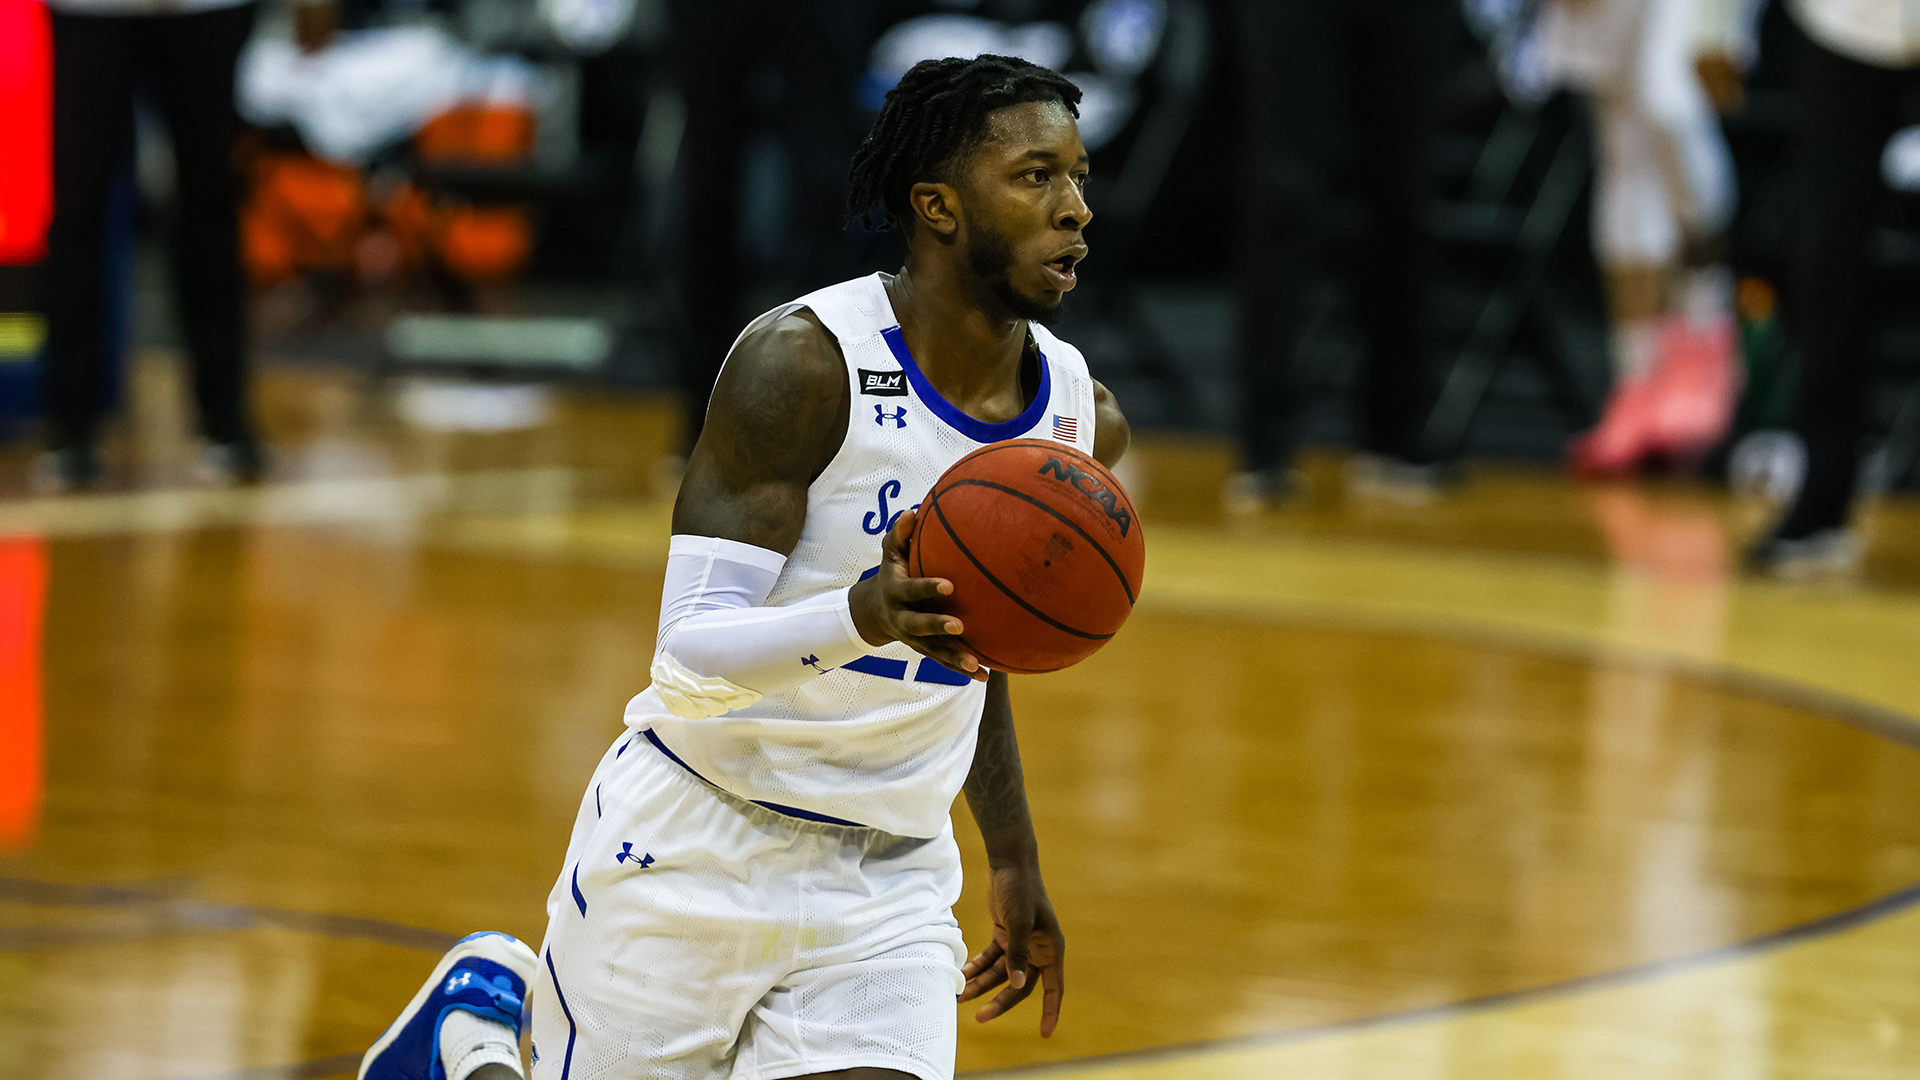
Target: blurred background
418	180
1526	402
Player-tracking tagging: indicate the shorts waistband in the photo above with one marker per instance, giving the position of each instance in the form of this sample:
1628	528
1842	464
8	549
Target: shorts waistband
790	811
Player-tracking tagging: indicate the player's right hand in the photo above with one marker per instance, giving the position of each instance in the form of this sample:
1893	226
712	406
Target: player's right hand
886	606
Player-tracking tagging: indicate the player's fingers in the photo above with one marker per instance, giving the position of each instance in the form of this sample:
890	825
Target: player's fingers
981	960
910	590
900	535
992	976
930	625
953	658
950	651
1006	999
1053	978
1049	1005
1018	931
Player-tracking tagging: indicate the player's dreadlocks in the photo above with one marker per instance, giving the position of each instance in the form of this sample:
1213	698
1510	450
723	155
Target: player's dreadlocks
934	116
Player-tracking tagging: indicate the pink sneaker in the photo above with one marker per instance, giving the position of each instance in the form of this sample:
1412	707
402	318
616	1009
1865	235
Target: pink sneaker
1695	387
1619	442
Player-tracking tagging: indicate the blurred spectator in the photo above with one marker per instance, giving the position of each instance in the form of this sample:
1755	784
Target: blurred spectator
182	52
1338	95
1663	198
804	63
1858	59
815	73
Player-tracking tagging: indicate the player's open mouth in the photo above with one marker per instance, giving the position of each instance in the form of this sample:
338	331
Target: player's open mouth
1060	270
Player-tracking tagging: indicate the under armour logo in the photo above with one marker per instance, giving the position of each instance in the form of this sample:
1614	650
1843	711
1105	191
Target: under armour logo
626	855
464	978
898	416
814	663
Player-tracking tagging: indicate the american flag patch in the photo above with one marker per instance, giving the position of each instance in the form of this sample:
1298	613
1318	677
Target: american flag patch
1066	428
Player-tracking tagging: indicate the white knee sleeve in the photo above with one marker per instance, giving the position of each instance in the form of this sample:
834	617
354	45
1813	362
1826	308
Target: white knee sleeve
1664	170
1693	150
1634	222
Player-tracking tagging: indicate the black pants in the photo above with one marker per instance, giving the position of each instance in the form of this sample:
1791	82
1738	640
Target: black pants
1848	111
1337	111
798	66
187	64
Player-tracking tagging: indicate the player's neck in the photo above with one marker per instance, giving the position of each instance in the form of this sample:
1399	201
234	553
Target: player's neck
969	353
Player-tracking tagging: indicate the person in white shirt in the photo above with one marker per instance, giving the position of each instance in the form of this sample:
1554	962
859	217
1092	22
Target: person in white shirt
1663	197
183	53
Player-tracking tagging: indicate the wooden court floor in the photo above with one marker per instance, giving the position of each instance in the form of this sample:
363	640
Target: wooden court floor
1531	782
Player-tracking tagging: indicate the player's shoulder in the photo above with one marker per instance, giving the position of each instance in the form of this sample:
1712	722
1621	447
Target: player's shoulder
790	352
781	397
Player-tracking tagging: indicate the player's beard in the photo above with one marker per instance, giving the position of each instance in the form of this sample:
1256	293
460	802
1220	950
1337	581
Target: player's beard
990	257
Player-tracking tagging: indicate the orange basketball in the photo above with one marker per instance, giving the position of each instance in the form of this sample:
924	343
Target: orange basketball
1044	550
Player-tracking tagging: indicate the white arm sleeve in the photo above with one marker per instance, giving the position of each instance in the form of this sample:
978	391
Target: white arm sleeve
720	650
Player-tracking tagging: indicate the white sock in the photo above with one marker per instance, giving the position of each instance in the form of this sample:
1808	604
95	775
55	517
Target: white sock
468	1042
1636	349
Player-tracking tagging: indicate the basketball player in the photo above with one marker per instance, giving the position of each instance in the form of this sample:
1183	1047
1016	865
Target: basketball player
1663	197
761	878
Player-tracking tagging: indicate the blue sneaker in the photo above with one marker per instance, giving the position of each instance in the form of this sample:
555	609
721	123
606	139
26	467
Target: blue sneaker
486	974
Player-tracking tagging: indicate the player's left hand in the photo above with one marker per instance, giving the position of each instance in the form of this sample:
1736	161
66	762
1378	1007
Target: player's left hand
1026	941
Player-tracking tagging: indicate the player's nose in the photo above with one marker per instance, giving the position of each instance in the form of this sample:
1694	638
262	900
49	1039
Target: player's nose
1074	213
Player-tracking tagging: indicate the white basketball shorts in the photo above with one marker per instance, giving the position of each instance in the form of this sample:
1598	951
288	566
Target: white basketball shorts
694	936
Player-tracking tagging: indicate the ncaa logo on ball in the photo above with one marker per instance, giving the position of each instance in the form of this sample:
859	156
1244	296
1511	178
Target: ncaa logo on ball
1093	488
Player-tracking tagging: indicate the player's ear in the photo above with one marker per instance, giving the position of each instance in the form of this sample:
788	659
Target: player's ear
936	206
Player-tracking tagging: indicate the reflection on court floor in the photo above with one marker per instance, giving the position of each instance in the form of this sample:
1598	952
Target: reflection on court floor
1527	784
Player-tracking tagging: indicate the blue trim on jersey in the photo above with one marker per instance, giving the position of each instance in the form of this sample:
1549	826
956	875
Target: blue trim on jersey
778	808
806	815
929	671
978	430
878	665
578	896
671	756
573	1032
933	671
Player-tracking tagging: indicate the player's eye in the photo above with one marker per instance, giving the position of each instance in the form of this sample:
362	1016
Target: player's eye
1040	176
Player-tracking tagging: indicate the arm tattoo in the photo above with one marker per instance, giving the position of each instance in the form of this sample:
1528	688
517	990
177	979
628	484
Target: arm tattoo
996	789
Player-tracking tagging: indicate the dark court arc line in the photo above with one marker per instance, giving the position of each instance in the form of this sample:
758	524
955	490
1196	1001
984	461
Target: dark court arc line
1817	702
182	914
302	1070
1578	984
1754	946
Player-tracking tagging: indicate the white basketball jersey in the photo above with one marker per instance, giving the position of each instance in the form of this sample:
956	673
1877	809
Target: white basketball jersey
887	740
